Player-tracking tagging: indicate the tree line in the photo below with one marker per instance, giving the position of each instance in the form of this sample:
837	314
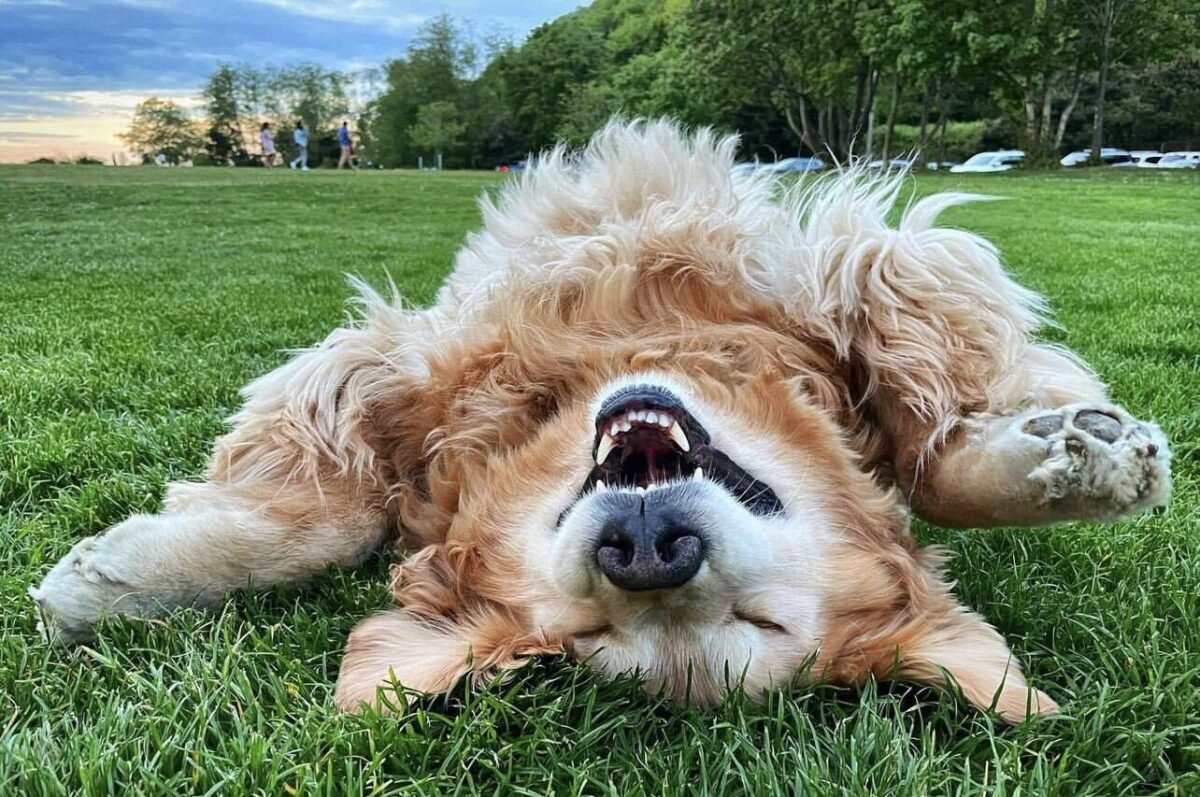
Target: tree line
236	100
839	77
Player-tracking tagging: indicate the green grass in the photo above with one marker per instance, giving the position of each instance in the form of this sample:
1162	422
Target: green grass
133	305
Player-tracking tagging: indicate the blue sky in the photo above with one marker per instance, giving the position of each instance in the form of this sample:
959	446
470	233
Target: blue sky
72	70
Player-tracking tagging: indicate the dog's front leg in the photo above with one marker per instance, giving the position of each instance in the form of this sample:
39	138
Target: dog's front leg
192	555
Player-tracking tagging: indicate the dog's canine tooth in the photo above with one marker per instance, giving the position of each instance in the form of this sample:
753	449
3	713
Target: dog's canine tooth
615	429
607	444
600	487
698	474
677	434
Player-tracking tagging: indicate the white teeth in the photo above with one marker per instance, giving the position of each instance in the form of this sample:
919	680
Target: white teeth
615	429
680	438
626	426
698	474
600	487
652	418
607	444
665	421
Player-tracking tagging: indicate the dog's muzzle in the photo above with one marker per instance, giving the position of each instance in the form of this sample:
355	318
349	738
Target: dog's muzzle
652	457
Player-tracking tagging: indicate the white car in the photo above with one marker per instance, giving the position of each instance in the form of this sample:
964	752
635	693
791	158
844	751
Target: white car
1180	160
893	165
1145	158
1109	156
999	161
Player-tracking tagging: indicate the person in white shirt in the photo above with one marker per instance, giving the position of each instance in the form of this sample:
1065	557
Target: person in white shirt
266	137
300	136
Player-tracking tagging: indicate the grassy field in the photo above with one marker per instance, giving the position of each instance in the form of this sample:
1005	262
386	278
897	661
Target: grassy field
133	305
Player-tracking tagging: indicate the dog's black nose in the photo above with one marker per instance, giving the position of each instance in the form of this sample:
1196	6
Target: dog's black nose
647	545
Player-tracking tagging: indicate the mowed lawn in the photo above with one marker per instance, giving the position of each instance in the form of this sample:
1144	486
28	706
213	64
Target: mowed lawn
133	305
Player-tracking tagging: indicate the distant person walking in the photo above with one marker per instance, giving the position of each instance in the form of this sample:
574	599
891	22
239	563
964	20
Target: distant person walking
347	145
300	136
266	137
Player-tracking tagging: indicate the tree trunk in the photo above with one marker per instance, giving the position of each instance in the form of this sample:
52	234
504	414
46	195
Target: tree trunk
939	103
924	122
1065	116
1043	123
891	117
851	120
839	113
867	115
1106	30
943	119
802	127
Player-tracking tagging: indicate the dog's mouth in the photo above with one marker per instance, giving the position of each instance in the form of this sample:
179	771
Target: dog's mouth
646	438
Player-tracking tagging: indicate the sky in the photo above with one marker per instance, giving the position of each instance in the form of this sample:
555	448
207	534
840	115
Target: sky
71	71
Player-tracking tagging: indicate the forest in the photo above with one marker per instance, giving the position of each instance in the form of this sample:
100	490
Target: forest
935	79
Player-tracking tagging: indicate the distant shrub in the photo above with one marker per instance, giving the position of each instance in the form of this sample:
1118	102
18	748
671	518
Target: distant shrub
88	160
962	140
43	161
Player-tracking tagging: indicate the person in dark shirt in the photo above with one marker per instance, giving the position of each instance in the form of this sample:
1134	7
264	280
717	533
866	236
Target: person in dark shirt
347	145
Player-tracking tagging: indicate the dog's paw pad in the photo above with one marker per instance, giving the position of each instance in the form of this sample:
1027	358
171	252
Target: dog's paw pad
1043	425
1101	462
1099	424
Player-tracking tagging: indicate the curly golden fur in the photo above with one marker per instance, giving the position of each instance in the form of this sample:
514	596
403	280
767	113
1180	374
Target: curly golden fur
857	369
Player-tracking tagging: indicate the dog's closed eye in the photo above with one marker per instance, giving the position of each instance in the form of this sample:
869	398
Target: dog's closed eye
758	621
594	632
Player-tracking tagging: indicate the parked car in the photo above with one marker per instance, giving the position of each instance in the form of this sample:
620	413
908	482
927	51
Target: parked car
999	161
1109	156
1145	158
893	165
801	164
1180	160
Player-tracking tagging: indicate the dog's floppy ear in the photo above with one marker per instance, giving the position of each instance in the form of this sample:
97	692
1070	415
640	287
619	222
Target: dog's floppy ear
962	650
440	632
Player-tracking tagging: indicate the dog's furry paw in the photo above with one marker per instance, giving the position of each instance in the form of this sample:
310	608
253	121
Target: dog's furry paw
1097	462
86	585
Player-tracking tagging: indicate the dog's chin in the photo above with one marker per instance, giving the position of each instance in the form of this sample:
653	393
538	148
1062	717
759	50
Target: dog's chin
699	663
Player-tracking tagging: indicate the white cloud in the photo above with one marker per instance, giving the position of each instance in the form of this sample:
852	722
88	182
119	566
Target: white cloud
372	12
122	100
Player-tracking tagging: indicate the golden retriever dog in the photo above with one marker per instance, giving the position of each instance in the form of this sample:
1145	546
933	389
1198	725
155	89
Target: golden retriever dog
666	420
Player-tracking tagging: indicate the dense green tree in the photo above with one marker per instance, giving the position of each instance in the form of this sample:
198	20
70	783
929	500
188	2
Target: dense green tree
163	127
1157	106
540	76
848	77
437	128
225	141
437	68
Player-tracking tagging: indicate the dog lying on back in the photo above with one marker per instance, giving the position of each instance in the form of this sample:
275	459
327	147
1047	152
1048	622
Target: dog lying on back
666	421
